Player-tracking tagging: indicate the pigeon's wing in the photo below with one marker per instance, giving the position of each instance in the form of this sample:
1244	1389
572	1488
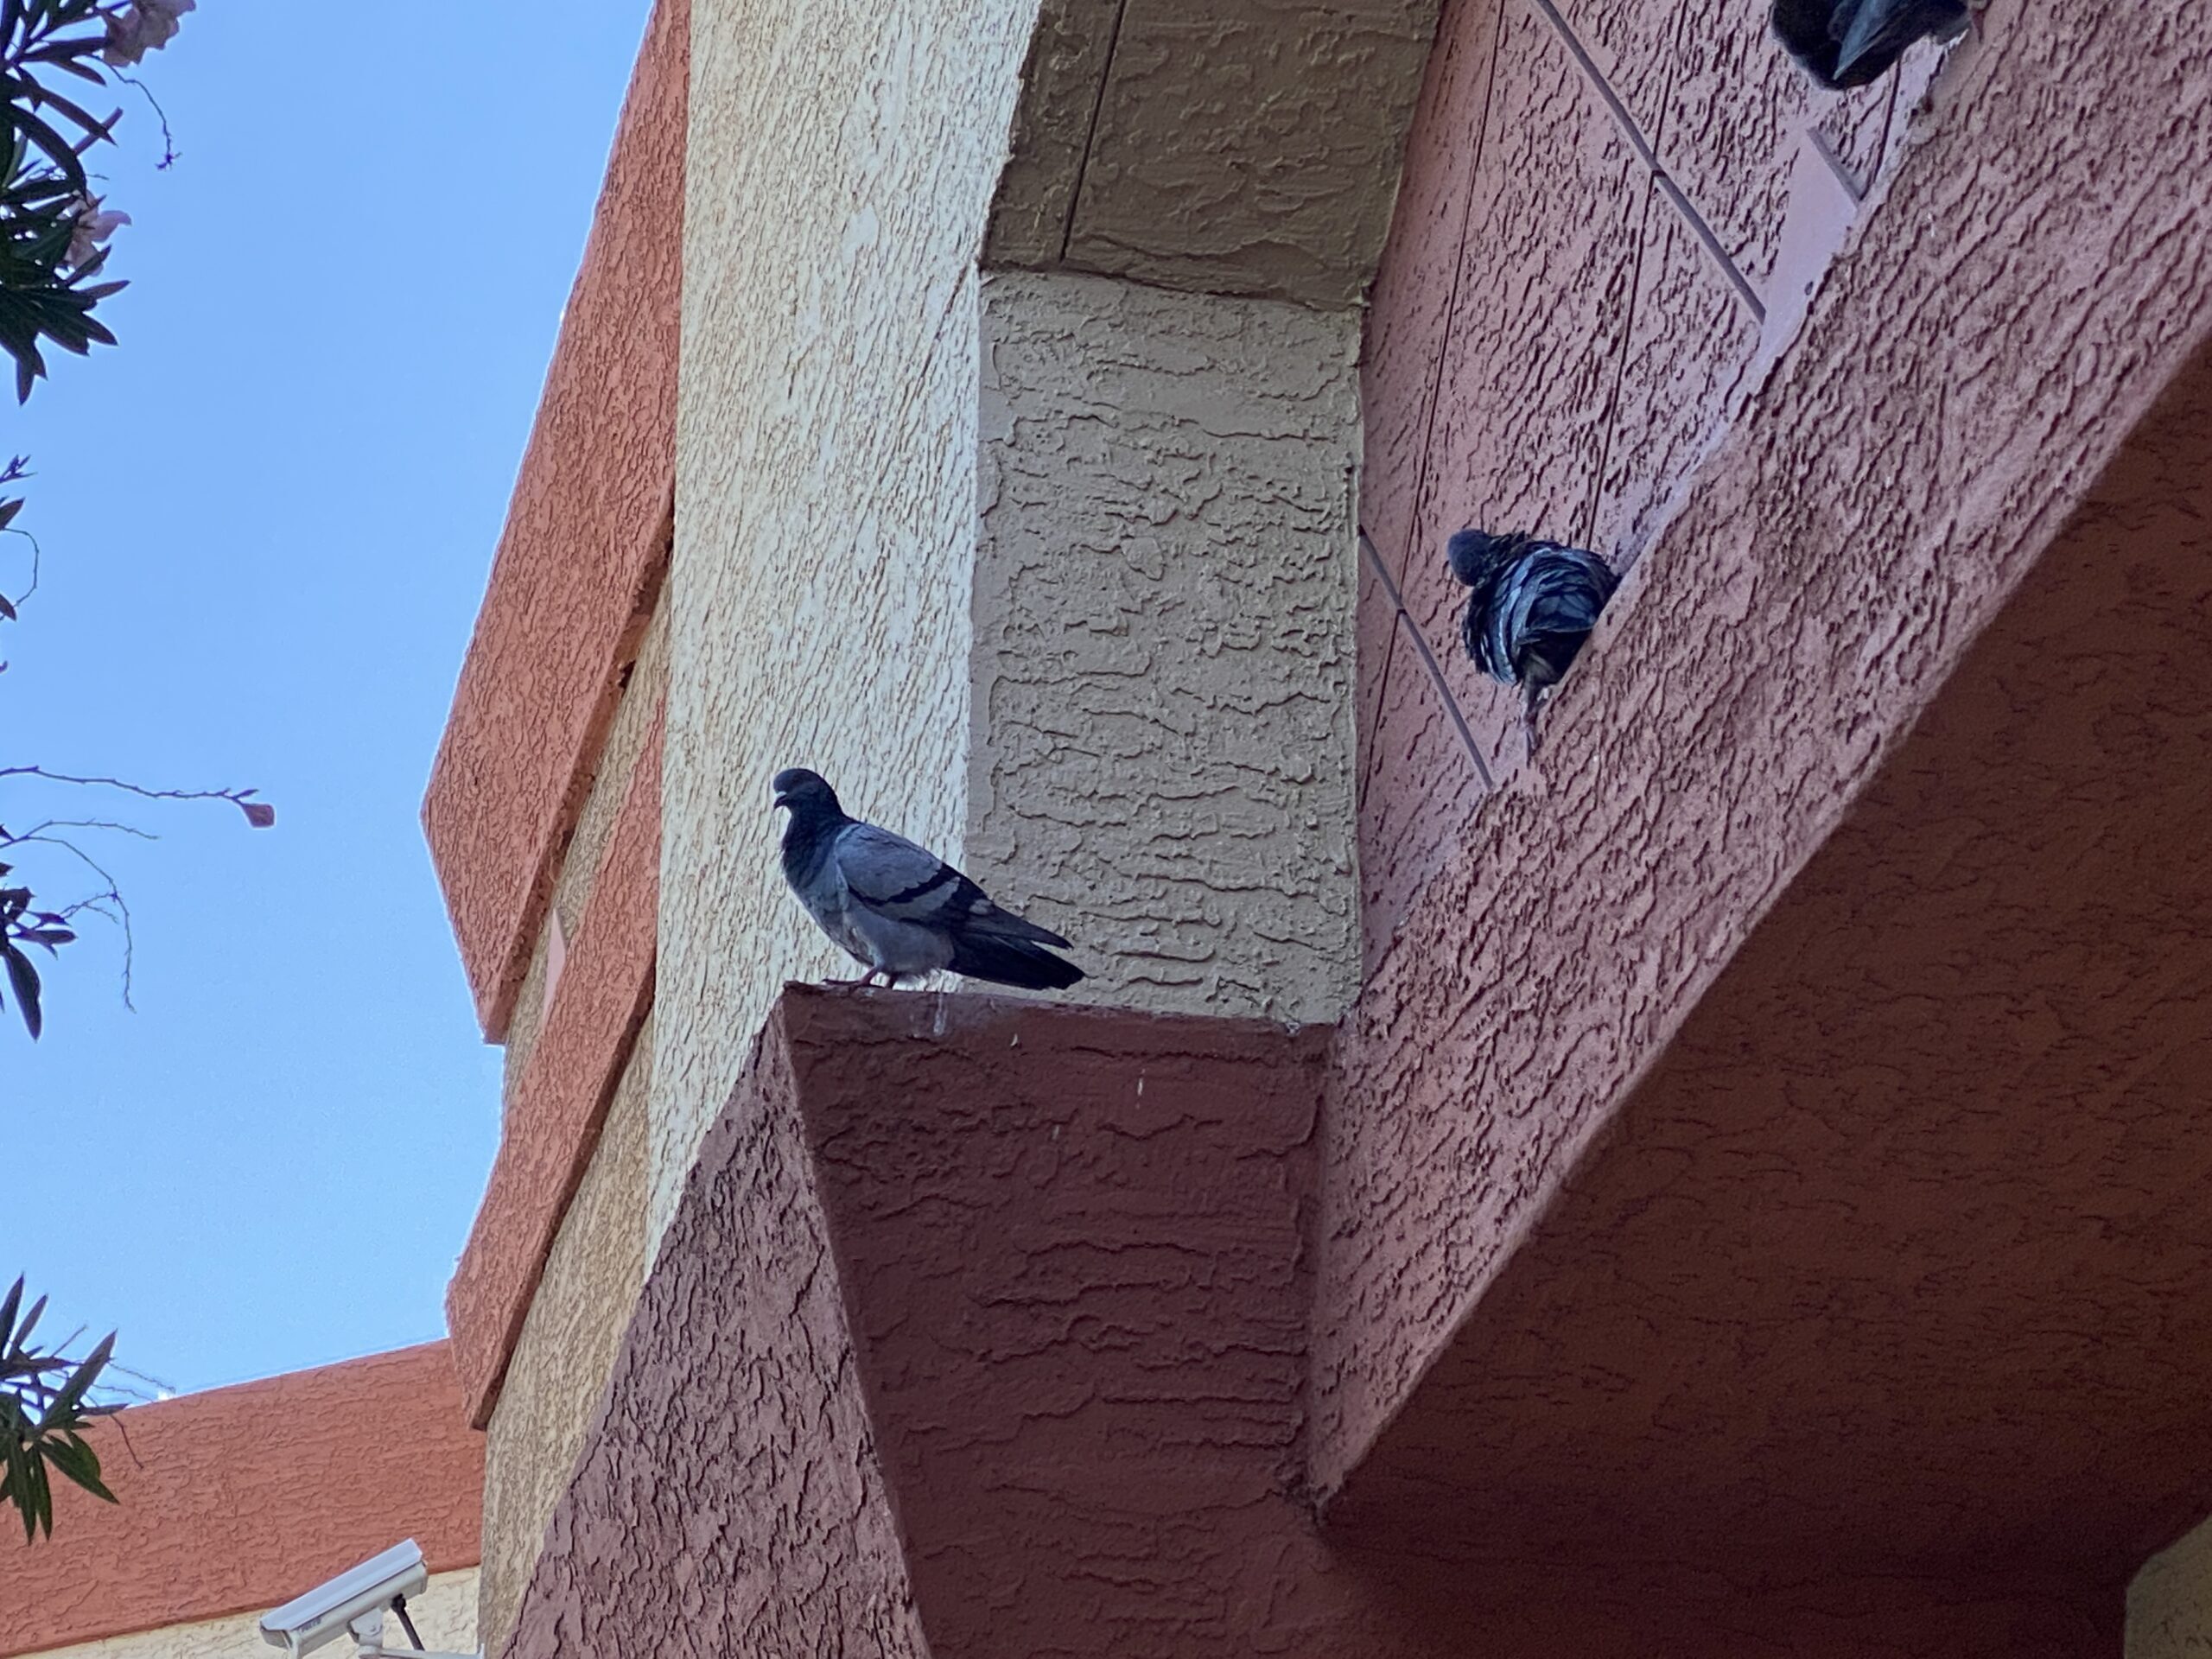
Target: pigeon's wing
898	879
1567	592
902	882
1882	30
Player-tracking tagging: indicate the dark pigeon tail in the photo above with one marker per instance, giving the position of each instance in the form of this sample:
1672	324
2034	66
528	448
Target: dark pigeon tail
1846	43
1012	962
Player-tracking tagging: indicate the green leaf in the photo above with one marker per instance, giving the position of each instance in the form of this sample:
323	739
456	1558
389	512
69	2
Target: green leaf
23	978
16	1486
56	148
59	1412
79	1463
30	1320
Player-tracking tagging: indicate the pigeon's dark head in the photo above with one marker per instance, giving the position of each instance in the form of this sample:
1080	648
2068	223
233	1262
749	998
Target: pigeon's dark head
807	793
1476	555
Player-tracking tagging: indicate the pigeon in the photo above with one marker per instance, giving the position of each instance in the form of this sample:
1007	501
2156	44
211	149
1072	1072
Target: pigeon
899	909
1534	604
1845	43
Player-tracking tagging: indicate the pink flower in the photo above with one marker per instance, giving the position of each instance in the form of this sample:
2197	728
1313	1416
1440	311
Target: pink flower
92	228
146	26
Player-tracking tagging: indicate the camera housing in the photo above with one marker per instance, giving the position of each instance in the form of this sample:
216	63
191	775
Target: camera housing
325	1613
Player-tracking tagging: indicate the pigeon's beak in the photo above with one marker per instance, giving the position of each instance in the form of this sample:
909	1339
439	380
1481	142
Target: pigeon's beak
781	799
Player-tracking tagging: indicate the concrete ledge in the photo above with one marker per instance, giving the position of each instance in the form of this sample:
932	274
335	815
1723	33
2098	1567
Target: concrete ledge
980	1332
980	1323
580	561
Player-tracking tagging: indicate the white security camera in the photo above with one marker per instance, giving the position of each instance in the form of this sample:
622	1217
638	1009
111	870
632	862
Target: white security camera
354	1601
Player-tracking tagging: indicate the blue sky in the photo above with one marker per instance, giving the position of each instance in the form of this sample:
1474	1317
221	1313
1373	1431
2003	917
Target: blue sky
267	518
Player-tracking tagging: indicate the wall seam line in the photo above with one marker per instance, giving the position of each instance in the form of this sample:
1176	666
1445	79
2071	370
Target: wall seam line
1642	145
1090	133
1436	381
1428	659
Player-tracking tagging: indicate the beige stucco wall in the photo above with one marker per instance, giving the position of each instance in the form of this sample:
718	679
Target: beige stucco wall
444	1615
2170	1603
843	155
1236	147
1162	749
568	1345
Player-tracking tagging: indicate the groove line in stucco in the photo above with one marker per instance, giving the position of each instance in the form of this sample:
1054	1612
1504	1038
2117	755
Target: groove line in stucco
1647	151
1090	133
641	681
1428	659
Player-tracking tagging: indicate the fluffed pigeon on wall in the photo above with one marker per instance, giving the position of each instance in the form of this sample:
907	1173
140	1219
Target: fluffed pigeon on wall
1534	604
899	909
1844	43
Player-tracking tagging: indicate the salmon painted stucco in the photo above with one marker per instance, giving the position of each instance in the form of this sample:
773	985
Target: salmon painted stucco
1777	1114
240	1498
1895	1253
578	565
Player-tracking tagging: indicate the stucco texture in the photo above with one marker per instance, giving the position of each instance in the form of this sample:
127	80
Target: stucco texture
1241	147
1016	1372
2170	1602
730	1499
555	1110
444	1616
559	1367
1888	755
825	480
1160	752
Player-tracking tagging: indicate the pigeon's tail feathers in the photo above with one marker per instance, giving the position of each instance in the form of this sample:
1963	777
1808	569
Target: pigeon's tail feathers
995	923
1883	29
1004	959
1847	43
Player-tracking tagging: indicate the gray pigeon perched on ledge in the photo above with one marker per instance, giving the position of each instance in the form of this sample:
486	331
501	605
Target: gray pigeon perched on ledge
1845	43
899	909
1534	604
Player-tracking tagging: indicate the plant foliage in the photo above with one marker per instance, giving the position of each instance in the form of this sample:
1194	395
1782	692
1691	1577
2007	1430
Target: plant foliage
48	263
45	1404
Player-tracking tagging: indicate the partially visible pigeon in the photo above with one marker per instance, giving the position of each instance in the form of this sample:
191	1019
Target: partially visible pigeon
1845	43
1534	604
898	909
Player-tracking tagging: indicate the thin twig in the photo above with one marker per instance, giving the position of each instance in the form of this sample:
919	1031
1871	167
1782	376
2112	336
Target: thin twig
168	145
37	553
121	915
235	797
10	838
